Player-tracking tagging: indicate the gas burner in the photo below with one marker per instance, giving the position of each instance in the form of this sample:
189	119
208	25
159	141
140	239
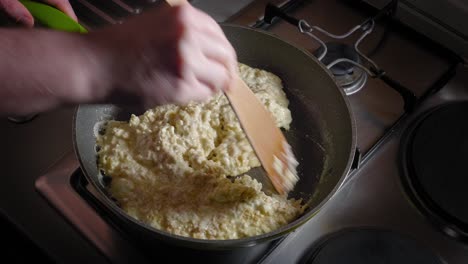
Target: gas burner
347	75
434	155
355	77
370	246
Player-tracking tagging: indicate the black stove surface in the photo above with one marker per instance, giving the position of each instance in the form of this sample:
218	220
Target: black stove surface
435	154
370	246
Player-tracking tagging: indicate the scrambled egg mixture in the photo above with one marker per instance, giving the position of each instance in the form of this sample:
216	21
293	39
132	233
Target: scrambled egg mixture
169	167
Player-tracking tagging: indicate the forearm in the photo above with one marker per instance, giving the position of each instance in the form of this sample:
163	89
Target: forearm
167	55
42	69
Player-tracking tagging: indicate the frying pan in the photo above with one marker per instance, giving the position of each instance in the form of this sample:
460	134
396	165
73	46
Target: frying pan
322	135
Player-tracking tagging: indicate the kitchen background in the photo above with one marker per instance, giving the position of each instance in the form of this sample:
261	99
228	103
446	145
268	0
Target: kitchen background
419	45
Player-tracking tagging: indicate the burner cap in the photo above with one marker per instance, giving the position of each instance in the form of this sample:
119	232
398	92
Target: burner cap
435	165
348	76
336	51
370	246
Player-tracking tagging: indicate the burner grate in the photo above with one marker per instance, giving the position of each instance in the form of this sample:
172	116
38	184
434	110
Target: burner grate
371	68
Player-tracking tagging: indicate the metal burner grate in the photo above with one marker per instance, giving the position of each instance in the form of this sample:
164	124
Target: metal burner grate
367	65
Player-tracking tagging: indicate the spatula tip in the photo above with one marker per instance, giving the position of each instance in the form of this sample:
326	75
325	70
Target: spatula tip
285	170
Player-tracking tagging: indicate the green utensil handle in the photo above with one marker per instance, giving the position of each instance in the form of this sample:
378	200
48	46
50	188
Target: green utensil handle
52	17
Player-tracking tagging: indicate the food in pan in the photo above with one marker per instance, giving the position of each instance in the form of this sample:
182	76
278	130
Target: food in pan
171	167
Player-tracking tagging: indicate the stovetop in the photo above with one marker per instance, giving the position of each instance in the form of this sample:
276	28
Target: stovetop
372	197
375	197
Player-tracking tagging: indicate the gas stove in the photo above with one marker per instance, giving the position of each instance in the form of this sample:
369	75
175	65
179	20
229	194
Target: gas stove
398	203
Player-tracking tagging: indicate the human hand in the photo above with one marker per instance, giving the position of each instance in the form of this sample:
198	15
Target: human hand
168	55
17	11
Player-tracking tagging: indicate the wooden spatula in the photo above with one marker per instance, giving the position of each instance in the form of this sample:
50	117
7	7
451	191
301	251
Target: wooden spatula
266	138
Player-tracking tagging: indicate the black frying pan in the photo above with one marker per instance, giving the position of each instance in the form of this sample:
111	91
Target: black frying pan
322	134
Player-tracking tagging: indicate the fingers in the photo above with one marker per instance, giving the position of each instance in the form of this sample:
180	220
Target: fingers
200	77
207	25
190	89
216	64
200	94
17	11
220	53
186	56
213	75
64	6
215	46
216	51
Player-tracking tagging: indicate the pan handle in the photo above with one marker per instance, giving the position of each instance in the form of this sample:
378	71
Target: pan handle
356	159
272	11
355	165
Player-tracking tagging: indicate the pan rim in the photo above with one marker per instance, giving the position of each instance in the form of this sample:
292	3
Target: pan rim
240	242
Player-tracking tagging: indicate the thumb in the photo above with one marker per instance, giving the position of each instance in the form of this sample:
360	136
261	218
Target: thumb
17	11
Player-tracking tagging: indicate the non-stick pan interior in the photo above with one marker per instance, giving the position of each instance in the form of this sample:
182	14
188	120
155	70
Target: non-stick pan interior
321	134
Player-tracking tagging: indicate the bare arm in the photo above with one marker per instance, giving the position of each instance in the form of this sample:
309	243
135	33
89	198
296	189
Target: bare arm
167	55
42	69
